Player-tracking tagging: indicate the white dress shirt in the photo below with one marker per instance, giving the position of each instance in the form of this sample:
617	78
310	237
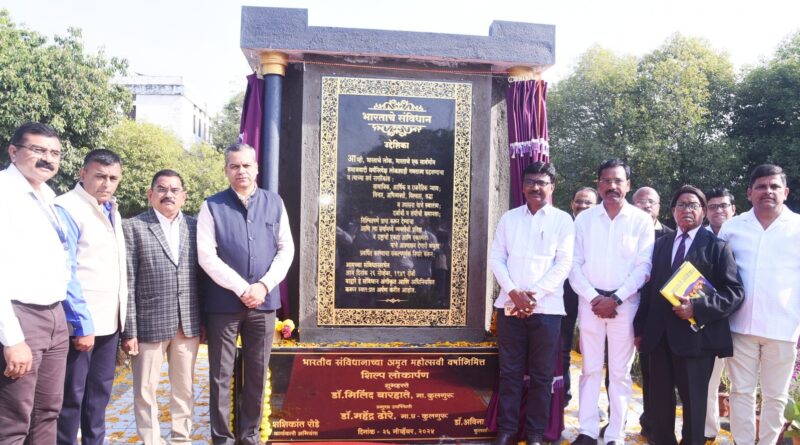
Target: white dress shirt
533	252
769	264
34	264
612	254
223	274
172	232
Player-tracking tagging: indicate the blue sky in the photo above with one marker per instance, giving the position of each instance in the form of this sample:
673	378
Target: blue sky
199	39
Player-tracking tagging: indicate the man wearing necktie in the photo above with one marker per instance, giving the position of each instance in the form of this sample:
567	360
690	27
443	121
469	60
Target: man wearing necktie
95	234
678	355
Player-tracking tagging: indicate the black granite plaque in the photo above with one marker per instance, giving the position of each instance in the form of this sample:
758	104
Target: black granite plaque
381	394
397	187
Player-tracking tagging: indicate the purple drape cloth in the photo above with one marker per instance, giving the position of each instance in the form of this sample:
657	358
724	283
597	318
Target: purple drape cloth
527	130
250	134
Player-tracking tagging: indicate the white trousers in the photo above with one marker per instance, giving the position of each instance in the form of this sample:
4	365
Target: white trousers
593	334
181	352
774	361
712	404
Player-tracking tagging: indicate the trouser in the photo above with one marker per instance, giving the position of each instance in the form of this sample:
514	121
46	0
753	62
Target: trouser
644	369
181	352
568	336
690	375
774	360
526	346
87	391
30	404
256	329
619	332
712	403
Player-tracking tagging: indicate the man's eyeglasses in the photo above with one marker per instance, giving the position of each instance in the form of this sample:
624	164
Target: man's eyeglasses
583	202
163	190
41	151
720	206
647	202
609	181
688	206
532	182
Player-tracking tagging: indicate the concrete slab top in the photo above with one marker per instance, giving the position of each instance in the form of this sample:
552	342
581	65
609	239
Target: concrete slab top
286	30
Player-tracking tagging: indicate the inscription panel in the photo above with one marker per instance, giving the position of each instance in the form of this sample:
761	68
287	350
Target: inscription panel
410	394
394	202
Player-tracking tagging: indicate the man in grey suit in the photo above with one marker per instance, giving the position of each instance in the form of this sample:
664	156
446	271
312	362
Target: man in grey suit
163	307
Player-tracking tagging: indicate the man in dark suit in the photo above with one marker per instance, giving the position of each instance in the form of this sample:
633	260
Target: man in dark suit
163	307
680	356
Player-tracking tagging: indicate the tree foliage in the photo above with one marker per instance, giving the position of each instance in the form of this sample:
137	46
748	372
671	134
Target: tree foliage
59	84
666	114
147	148
225	125
766	125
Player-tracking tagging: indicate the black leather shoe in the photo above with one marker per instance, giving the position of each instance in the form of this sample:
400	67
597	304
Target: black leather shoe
505	439
583	439
613	442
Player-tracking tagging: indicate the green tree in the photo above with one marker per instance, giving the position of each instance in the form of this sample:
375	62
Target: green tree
225	125
147	148
59	84
766	124
592	115
686	103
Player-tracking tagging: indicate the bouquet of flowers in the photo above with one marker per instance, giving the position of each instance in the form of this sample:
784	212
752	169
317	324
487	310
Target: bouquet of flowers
284	328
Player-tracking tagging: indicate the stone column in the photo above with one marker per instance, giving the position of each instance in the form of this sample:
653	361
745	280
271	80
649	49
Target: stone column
273	69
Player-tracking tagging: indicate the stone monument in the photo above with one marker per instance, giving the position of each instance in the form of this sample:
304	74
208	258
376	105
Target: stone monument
389	149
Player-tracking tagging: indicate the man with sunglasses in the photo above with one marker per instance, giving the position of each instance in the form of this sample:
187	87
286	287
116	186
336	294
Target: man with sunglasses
34	274
163	307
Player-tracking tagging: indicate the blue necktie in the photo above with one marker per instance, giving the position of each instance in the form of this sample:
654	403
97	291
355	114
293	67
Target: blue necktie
681	252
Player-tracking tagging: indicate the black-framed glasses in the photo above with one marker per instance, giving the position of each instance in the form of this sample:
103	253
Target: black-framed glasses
688	206
164	190
538	182
41	151
609	181
720	206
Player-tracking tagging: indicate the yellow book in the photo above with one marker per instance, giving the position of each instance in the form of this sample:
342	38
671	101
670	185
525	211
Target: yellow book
688	282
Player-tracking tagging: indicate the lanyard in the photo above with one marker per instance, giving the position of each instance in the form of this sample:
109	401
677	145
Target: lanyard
53	218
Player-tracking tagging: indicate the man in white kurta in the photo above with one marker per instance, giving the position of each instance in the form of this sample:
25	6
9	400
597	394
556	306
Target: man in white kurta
765	330
612	260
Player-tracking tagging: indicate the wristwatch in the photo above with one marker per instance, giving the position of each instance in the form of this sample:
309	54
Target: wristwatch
616	299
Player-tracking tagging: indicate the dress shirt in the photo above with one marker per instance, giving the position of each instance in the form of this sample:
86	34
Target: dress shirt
533	252
172	232
686	244
223	274
612	254
34	263
769	264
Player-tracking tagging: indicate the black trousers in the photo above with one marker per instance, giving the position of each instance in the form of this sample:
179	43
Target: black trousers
690	375
529	346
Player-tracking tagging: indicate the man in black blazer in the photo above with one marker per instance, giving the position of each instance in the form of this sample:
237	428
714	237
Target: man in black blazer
679	356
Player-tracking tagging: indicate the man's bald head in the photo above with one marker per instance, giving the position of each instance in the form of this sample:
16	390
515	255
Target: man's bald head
646	198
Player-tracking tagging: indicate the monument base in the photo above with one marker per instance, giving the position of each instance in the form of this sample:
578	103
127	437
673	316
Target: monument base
382	394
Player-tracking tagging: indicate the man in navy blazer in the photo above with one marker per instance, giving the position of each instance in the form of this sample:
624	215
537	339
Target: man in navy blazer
680	356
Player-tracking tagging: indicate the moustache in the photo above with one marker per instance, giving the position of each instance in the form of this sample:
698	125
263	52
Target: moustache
169	200
41	163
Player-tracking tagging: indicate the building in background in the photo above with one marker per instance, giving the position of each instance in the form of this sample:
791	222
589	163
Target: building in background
164	101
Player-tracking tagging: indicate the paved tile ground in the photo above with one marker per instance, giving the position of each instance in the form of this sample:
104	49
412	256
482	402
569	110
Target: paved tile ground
122	427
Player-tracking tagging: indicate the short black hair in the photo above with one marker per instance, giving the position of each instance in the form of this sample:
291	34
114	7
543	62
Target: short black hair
613	163
538	167
720	192
587	189
688	189
31	127
767	170
102	156
168	173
